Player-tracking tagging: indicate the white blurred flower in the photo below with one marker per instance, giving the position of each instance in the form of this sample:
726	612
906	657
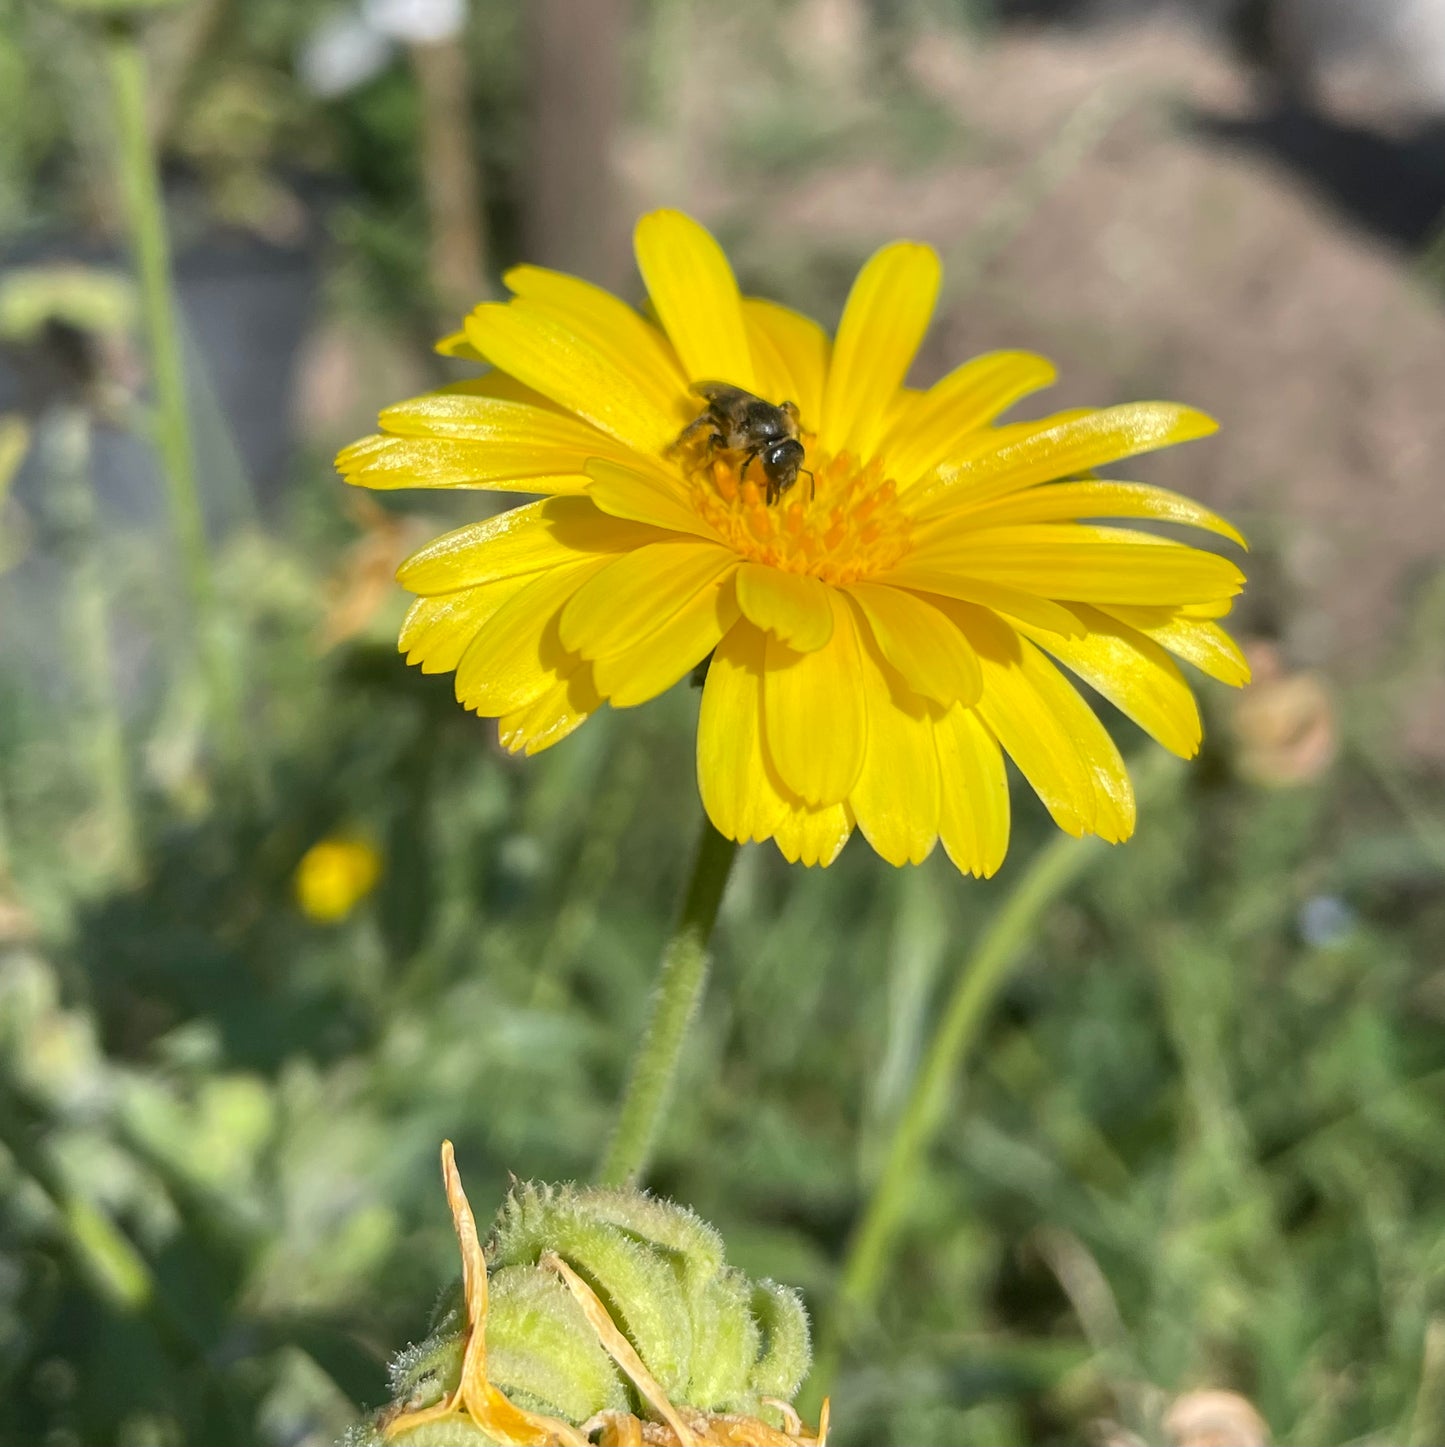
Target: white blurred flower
343	52
416	22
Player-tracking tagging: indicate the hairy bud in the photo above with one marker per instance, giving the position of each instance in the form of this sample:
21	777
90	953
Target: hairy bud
590	1315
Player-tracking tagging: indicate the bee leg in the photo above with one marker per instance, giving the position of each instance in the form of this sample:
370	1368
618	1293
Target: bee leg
691	430
790	409
773	491
750	457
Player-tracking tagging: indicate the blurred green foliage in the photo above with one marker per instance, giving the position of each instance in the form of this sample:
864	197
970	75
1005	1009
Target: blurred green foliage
1202	1141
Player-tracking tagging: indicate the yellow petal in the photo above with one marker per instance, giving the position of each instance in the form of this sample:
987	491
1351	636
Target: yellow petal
437	631
550	356
1115	809
906	402
1070	501
527	539
635	595
923	644
886	315
493	383
552	716
738	789
1134	674
931	431
798	349
774	377
635	345
1044	718
385	463
517	656
1043	453
1012	602
696	297
989	440
653	666
809	836
1082	564
645	496
896	797
1198	641
455	344
791	606
497	422
1026	724
973	816
813	717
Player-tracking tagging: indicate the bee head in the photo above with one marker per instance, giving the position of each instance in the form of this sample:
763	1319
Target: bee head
782	461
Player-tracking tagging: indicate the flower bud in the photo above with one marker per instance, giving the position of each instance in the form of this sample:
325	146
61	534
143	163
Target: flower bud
598	1310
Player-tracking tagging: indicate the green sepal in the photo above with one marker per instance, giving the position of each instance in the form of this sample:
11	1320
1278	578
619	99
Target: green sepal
456	1433
541	1351
787	1342
722	1318
423	1374
640	1287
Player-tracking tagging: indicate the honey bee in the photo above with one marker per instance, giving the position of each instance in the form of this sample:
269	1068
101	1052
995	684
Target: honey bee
741	422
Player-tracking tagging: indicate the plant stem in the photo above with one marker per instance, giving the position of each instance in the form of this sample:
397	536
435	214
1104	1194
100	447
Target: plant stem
68	449
977	986
680	982
139	176
975	989
1049	875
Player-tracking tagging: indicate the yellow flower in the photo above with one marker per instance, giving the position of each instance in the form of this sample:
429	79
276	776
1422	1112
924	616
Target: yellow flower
334	876
883	633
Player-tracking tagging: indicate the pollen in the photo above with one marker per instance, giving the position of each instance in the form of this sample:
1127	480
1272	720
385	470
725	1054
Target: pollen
842	524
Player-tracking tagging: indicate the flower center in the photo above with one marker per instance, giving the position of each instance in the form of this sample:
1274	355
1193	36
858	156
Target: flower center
840	525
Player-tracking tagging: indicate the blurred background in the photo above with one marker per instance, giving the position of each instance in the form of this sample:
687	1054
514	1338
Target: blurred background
1198	1145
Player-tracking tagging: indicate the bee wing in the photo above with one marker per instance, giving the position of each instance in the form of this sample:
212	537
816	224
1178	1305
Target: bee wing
722	394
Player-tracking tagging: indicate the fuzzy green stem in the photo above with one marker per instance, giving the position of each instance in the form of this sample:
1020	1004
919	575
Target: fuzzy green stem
139	176
680	981
68	452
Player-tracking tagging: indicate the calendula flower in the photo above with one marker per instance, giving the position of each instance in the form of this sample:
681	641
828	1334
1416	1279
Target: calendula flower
882	632
334	876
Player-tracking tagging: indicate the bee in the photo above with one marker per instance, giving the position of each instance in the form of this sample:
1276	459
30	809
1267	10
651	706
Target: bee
739	421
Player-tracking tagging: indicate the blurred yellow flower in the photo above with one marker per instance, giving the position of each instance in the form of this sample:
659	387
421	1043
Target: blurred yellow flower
334	876
882	633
